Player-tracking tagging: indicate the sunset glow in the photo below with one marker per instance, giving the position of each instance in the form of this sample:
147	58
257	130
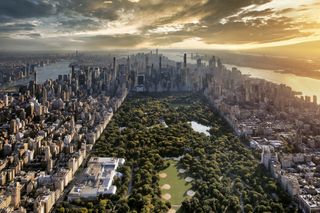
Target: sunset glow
101	25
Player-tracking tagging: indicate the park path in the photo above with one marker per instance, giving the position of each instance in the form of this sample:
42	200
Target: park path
130	183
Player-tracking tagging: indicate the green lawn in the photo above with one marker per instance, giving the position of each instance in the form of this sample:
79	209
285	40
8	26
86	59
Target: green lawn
179	186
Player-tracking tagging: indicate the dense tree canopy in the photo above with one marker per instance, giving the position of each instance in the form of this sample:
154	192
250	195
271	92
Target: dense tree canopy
227	177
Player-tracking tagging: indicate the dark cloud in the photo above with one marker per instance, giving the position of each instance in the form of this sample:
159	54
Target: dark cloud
17	27
26	8
241	26
101	9
81	24
4	19
31	35
168	12
256	30
218	22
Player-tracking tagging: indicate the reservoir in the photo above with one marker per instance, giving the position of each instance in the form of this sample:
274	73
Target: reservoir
200	128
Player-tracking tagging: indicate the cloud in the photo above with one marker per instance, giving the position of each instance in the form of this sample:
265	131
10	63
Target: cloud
30	35
107	10
237	22
78	24
112	41
26	8
13	27
257	30
101	24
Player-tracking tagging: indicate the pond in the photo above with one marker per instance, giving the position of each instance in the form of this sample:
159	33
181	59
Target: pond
200	128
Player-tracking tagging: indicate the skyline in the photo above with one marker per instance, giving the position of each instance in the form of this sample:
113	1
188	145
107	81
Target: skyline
39	25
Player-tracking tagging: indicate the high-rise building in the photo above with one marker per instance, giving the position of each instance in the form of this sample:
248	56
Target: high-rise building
147	62
49	165
44	95
6	100
31	108
35	77
185	60
308	99
47	153
212	62
315	101
199	62
16	195
13	126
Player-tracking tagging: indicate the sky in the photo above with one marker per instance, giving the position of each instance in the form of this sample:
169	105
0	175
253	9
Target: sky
94	25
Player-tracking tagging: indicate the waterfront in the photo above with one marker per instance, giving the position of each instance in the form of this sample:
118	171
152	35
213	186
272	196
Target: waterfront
307	86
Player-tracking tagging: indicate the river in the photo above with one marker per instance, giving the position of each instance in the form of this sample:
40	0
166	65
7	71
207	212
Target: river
308	86
52	71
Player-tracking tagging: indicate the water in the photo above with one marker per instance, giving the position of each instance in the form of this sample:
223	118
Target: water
52	71
200	128
23	81
308	86
178	57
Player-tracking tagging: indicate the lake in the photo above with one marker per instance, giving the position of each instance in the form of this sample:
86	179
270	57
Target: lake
200	128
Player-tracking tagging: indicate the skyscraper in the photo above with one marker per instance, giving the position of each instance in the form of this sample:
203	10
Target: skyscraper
16	195
199	62
35	77
6	100
44	95
13	126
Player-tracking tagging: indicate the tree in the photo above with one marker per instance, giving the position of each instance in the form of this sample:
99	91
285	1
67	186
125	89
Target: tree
61	210
248	208
103	204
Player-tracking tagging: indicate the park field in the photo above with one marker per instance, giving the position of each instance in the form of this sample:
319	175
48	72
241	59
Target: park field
173	185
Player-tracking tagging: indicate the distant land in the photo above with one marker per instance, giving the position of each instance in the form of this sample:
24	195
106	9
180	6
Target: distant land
294	65
309	50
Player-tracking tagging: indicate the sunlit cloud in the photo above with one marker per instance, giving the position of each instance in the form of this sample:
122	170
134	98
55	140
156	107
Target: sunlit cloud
204	24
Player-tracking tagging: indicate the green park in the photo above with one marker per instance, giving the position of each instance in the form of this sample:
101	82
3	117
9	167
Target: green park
170	167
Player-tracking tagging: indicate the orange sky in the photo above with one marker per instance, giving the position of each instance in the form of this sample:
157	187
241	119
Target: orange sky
201	24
